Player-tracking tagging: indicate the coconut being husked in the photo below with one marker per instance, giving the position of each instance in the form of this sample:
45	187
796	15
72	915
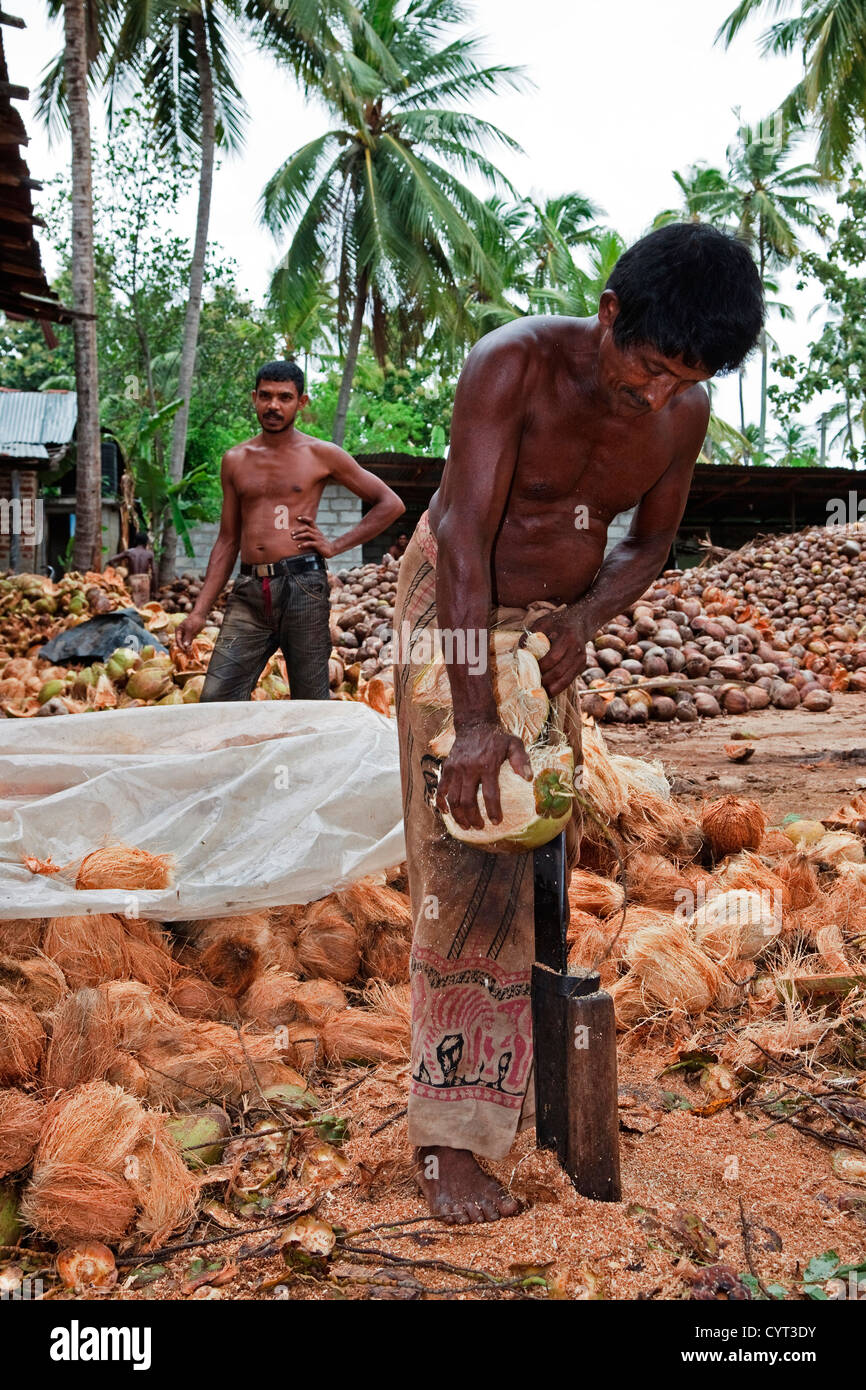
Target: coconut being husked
738	924
533	813
732	823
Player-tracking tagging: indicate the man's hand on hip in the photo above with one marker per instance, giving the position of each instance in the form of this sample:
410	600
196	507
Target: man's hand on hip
567	656
310	538
478	753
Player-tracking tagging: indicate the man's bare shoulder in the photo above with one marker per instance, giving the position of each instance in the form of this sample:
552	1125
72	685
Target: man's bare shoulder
323	451
690	412
239	453
529	344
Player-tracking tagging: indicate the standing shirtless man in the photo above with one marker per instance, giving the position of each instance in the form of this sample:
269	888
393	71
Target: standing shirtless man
559	425
272	486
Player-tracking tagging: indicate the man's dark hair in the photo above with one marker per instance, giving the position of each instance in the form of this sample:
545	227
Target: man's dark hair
690	291
281	371
138	538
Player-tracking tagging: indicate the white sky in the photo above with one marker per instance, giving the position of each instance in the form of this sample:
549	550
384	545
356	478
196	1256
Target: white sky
625	92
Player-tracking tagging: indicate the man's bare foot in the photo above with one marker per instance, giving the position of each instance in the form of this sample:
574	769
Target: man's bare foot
458	1190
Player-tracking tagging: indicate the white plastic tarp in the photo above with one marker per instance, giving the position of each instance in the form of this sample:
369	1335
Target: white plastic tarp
271	802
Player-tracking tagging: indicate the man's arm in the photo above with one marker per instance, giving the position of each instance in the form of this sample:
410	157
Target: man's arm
485	438
386	507
630	567
222	559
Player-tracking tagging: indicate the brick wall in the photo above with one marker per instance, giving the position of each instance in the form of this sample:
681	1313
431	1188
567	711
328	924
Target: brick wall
29	537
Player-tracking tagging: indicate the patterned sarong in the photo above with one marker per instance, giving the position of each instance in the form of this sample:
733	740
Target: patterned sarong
473	937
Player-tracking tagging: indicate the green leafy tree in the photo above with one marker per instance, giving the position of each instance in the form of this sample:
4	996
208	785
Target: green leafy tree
837	358
378	197
831	36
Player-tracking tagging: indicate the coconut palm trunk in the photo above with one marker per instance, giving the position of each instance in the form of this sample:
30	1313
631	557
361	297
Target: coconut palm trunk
339	432
192	317
87	551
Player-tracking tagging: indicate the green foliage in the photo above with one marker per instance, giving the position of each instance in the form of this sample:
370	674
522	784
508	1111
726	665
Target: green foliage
392	409
837	358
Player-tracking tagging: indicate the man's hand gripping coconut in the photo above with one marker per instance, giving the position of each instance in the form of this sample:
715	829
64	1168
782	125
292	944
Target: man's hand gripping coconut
559	425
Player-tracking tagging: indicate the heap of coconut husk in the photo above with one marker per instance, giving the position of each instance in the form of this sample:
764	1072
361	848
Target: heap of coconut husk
119	1037
717	920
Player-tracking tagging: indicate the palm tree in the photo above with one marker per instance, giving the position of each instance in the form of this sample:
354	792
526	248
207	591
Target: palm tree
558	225
378	195
578	291
180	52
832	37
702	187
770	204
87	550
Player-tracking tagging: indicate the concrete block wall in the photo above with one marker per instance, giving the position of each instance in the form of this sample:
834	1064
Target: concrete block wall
339	510
618	529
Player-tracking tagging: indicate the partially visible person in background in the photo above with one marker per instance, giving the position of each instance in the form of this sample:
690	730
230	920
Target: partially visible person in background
138	561
399	546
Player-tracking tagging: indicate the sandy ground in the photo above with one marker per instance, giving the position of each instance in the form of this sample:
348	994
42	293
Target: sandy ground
689	1181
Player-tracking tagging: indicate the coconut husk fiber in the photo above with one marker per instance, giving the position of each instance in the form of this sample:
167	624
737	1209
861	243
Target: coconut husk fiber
125	867
284	925
672	971
21	936
21	1121
89	950
799	878
393	1002
209	1061
303	1044
83	1041
731	824
359	1035
737	975
139	1014
37	980
746	870
588	945
22	1040
67	1202
127	1071
230	951
231	964
103	1127
589	893
195	997
737	924
776	844
629	1003
270	999
367	903
316	999
149	954
658	826
328	946
656	882
386	954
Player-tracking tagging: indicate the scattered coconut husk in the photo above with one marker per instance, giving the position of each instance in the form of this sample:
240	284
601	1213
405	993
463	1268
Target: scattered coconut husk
210	1061
328	947
75	1201
367	903
831	949
799	878
21	1120
270	999
138	1013
731	824
316	999
22	1040
127	1071
37	980
386	955
392	1001
655	882
89	950
231	964
737	976
736	924
746	870
100	1125
746	1053
589	893
657	826
126	867
21	936
83	1040
671	970
775	843
357	1035
284	925
195	997
149	957
629	1002
303	1044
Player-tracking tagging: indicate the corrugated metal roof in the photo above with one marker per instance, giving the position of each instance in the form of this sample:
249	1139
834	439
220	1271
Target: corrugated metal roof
37	417
23	451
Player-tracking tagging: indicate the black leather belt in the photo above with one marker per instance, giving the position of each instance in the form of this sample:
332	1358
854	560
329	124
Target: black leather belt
291	565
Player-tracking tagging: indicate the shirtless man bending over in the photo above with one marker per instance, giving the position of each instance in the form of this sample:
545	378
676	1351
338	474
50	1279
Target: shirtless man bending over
559	425
272	486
